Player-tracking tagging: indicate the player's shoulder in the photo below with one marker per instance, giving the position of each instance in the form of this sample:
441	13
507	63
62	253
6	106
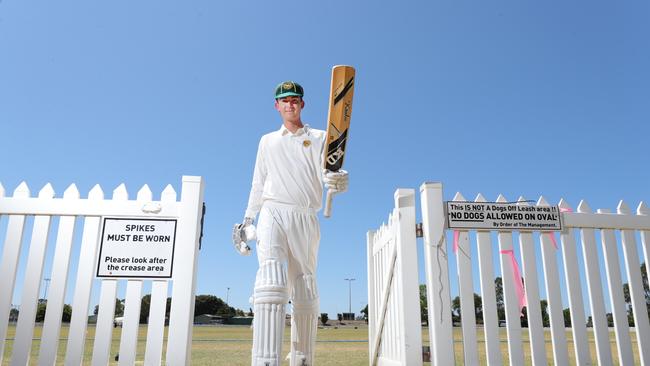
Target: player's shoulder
317	133
271	135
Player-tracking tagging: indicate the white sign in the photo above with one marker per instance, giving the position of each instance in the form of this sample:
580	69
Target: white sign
137	248
502	216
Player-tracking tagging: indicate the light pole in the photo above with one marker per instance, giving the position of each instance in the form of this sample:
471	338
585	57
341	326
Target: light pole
349	293
227	296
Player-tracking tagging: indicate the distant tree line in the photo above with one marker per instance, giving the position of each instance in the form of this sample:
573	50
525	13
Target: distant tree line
498	286
66	313
203	304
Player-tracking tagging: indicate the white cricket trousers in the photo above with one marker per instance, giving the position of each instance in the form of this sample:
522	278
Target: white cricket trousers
287	252
288	234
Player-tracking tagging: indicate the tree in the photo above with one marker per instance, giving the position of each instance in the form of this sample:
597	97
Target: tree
145	308
424	310
210	304
498	289
364	311
324	318
646	283
13	314
40	311
119	308
478	309
66	313
543	304
567	317
455	310
628	297
523	319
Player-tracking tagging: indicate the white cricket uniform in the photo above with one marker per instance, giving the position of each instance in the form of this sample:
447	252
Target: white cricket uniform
287	192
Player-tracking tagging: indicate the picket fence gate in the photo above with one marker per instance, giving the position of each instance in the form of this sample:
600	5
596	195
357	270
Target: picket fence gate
188	213
394	316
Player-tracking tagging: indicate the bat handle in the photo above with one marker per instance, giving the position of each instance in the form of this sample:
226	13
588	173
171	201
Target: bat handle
328	203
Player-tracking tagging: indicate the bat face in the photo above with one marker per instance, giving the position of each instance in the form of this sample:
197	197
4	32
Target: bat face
340	112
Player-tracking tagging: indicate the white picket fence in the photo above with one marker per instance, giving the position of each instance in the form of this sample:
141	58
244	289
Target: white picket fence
601	231
393	300
44	208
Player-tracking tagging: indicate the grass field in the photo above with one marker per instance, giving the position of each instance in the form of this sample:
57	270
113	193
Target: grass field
223	345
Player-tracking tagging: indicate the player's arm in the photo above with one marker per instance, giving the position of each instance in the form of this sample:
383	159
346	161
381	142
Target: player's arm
245	232
257	186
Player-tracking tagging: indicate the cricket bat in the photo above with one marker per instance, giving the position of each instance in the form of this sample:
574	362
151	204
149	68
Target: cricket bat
338	123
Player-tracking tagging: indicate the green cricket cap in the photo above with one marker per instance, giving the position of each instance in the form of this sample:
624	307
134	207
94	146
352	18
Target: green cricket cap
287	89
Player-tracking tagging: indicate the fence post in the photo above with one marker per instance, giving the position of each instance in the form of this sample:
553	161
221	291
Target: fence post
617	299
437	275
181	317
59	275
9	263
639	305
576	303
408	283
83	285
370	236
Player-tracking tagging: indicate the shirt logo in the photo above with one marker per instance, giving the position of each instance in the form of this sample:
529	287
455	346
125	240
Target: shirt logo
306	143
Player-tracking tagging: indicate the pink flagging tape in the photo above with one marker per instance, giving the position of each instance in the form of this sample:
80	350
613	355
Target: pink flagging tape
551	234
456	238
518	281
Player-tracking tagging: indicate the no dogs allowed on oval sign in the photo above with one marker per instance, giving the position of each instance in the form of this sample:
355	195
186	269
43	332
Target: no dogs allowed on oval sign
505	216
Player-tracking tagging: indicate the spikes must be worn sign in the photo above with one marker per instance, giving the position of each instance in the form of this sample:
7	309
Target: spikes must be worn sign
136	248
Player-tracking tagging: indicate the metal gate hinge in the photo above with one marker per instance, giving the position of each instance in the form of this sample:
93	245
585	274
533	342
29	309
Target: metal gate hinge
418	230
202	217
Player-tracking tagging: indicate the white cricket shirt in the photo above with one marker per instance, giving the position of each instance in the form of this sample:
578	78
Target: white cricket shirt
288	169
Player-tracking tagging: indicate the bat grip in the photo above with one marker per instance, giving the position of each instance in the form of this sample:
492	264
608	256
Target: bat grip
328	203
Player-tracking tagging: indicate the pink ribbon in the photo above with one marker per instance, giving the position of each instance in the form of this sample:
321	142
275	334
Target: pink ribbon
519	284
456	238
551	235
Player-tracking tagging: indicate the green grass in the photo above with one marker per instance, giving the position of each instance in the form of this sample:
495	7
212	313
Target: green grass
231	345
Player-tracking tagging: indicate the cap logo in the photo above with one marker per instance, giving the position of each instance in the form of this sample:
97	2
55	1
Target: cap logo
287	86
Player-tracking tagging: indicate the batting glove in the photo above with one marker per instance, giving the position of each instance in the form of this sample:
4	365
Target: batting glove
242	233
336	181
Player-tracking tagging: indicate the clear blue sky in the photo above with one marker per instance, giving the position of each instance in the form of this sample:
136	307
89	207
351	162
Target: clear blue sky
519	98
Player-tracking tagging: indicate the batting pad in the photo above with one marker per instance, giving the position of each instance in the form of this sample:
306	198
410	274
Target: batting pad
270	297
304	321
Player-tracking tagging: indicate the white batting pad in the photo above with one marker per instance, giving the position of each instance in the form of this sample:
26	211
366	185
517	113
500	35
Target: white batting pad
270	297
268	329
304	321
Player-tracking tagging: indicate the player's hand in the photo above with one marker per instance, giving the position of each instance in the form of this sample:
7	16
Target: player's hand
242	233
336	182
